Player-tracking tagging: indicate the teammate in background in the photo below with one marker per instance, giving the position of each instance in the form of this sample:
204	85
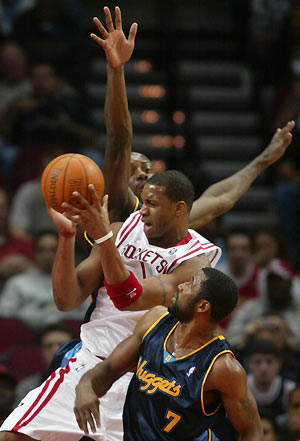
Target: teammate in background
143	261
178	391
123	169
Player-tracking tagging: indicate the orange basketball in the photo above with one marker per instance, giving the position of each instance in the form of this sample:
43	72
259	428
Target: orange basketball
68	173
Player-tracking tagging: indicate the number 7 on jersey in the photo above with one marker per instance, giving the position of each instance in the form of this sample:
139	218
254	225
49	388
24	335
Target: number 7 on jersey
175	418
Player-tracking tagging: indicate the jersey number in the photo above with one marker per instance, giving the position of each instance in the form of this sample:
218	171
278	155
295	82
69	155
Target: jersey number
175	419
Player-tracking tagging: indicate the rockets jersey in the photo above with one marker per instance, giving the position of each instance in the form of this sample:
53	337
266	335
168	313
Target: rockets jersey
165	396
109	326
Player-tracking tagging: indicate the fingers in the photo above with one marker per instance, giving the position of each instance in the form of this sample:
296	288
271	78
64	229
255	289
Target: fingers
100	27
94	194
108	19
88	416
132	32
118	18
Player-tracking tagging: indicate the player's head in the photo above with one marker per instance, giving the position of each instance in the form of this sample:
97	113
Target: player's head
167	198
210	291
141	171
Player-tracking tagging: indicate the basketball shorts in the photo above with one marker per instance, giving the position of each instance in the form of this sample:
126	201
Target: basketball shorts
46	413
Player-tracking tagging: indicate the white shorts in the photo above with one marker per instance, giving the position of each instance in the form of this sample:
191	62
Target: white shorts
46	413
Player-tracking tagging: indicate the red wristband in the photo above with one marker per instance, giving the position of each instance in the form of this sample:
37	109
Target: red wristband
65	233
125	293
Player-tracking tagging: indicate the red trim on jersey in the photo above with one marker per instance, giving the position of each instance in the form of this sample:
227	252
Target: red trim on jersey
128	232
143	270
216	253
39	398
185	255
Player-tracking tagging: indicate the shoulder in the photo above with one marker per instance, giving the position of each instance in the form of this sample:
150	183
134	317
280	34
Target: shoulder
149	319
226	366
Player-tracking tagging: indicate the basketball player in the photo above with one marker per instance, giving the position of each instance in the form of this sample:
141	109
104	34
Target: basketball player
143	261
121	168
186	377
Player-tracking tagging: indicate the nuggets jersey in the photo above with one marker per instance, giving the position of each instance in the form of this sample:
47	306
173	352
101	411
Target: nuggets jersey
165	397
109	326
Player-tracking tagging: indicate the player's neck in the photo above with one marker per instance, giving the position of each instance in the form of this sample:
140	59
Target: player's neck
171	238
189	337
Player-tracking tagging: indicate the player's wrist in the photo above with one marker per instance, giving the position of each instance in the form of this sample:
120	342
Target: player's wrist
125	293
66	233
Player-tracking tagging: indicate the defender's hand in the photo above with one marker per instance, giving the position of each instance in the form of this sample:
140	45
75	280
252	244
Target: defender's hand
118	49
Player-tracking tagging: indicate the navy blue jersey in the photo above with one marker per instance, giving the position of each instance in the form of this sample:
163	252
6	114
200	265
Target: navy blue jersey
165	399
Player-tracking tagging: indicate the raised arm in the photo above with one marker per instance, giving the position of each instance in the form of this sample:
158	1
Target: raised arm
118	51
236	398
97	381
124	289
222	196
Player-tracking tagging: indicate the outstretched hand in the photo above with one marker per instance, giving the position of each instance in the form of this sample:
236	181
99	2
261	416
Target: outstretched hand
278	145
92	217
118	49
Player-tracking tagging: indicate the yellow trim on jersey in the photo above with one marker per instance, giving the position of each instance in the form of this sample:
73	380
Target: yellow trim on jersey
136	204
154	324
87	239
209	435
220	337
226	351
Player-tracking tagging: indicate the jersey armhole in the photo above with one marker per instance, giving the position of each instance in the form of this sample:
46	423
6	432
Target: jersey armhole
154	324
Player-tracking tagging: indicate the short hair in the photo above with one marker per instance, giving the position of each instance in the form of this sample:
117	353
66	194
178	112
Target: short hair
178	187
56	327
221	292
264	346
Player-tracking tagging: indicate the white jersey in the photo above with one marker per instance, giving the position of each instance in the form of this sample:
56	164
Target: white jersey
109	326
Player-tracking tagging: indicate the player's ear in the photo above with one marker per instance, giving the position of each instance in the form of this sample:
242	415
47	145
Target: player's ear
203	305
181	208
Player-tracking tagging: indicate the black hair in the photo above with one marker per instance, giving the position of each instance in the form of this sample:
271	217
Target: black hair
178	187
56	327
221	292
264	346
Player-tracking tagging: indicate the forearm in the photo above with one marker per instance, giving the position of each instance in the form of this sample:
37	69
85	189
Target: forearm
254	435
99	379
66	288
116	112
232	188
114	270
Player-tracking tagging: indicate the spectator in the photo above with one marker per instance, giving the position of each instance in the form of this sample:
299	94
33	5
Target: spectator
279	300
52	112
50	340
240	265
275	329
269	426
29	297
269	388
15	253
14	82
268	245
7	392
289	428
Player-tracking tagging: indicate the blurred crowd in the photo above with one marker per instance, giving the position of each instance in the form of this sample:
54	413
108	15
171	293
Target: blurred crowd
43	113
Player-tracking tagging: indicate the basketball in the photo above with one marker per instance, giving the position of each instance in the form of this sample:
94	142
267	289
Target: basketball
68	173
